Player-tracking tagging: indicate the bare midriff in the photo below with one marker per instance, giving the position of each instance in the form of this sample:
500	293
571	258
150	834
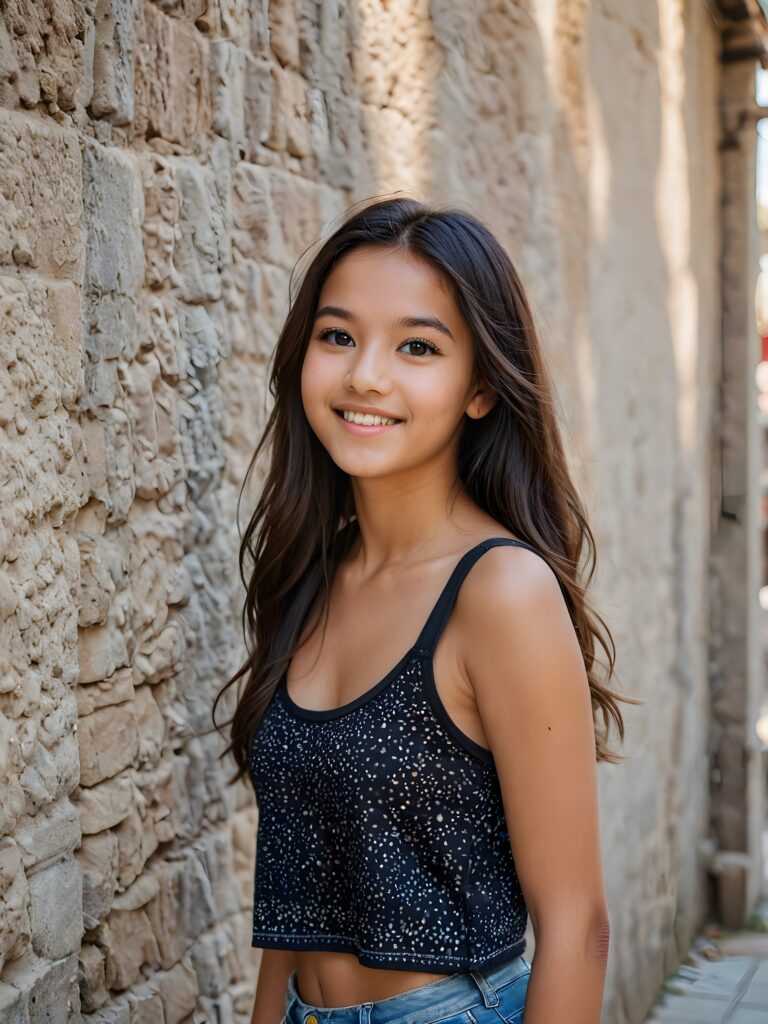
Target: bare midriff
329	980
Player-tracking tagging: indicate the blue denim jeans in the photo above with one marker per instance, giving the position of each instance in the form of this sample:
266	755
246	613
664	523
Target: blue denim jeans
485	996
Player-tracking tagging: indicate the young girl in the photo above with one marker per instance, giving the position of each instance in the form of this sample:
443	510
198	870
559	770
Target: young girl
424	766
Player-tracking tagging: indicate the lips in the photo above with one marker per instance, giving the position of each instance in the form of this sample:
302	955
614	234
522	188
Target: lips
340	414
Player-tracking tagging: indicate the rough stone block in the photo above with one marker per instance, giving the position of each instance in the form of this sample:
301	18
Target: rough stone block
278	214
118	1013
115	690
44	383
113	54
56	909
49	990
47	835
40	198
98	857
92	977
137	841
128	943
257	102
200	251
114	264
162	206
151	725
153	407
284	32
105	805
11	765
109	742
178	989
171	69
15	926
289	128
227	85
110	466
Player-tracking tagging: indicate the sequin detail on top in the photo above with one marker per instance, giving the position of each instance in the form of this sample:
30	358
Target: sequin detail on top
381	827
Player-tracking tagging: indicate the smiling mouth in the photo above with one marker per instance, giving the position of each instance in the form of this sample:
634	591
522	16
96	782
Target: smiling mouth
340	414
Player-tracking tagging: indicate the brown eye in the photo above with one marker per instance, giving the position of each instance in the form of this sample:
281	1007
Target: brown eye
427	344
328	331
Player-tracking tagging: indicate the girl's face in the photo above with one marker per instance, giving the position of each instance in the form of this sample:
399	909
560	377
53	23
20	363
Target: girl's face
388	338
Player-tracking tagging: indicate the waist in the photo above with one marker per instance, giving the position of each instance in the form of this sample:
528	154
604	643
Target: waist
502	985
335	978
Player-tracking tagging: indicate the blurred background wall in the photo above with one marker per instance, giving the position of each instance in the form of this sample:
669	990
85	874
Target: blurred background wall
162	166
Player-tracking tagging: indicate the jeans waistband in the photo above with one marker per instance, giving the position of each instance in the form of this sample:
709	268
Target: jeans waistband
420	1005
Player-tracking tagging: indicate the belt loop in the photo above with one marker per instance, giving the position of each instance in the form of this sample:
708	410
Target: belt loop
488	992
365	1013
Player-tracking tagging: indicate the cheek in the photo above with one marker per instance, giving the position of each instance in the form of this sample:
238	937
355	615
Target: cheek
312	383
436	397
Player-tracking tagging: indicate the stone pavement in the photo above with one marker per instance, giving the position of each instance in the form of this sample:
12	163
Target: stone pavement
724	980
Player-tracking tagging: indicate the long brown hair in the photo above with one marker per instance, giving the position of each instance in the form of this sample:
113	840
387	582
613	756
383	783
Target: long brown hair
511	460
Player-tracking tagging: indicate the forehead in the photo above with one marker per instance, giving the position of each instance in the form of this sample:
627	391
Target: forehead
373	281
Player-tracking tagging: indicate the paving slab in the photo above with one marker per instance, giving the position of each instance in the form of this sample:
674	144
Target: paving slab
723	981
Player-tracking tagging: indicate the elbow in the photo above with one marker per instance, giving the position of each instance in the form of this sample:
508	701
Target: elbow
599	937
587	930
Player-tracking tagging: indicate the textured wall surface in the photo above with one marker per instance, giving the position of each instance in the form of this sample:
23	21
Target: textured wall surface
162	166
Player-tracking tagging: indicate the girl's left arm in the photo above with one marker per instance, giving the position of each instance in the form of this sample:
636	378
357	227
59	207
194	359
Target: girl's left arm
525	665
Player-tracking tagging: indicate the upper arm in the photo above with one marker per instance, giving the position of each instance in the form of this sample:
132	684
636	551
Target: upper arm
525	665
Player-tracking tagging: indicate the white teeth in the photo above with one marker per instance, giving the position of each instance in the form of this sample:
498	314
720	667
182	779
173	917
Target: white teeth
366	419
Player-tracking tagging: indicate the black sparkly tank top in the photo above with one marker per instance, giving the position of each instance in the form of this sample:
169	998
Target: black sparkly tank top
381	829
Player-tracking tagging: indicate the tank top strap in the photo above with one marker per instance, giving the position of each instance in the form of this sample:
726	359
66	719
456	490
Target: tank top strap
438	617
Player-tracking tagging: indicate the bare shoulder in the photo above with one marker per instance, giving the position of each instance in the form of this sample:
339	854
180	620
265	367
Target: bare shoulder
509	579
515	631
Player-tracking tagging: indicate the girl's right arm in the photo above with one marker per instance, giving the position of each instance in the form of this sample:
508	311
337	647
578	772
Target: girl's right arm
269	1004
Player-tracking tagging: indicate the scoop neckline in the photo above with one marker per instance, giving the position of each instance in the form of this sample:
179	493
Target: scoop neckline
319	714
417	649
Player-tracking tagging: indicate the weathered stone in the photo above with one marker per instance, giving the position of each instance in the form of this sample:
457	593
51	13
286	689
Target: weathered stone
114	266
289	129
56	911
172	93
51	832
137	841
41	198
264	229
100	571
257	101
200	254
15	926
109	742
105	805
227	86
92	977
284	32
127	942
113	54
151	725
115	690
98	857
178	990
49	990
162	206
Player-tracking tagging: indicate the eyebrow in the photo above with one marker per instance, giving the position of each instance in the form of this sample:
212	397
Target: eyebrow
404	321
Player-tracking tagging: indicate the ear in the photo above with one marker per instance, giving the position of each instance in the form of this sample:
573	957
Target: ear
481	402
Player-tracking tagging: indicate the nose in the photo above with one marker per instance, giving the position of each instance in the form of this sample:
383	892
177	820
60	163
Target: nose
369	371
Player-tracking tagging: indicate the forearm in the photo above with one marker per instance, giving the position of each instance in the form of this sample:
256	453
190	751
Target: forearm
269	1002
568	976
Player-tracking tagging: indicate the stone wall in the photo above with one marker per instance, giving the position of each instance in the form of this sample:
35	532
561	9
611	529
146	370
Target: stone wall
162	166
